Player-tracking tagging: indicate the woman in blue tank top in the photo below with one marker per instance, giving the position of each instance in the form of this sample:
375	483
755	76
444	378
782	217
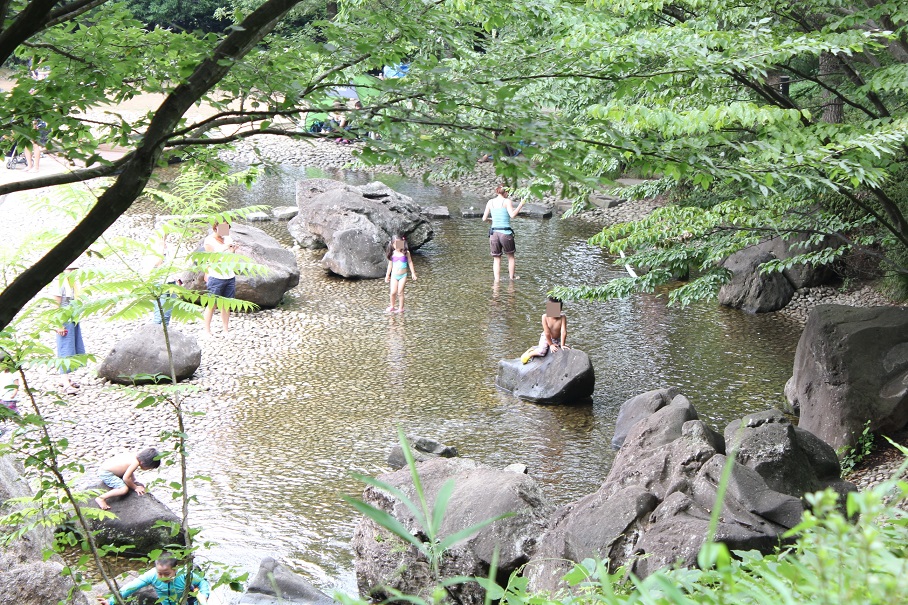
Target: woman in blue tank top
501	237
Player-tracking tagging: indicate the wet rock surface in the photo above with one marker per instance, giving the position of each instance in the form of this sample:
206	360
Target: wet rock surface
564	376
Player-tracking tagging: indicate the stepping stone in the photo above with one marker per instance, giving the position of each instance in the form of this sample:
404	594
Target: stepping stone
284	213
437	212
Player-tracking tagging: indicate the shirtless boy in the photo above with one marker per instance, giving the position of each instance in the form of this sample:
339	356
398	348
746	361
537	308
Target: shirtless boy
554	331
117	474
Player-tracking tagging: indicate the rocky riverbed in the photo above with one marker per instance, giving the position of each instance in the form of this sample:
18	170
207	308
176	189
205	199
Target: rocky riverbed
108	418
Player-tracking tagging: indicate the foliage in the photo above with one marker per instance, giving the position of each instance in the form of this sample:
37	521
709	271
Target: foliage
178	15
851	456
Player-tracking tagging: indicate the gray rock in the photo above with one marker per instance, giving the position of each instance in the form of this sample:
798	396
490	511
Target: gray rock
517	467
437	212
536	211
564	376
145	352
422	449
637	408
793	407
472	212
258	217
746	490
678	528
605	525
804	275
661	427
356	224
284	213
851	367
480	493
750	290
136	523
25	577
656	501
258	247
274	584
792	462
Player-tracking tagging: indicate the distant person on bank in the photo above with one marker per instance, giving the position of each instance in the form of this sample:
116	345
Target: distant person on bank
69	335
501	236
220	283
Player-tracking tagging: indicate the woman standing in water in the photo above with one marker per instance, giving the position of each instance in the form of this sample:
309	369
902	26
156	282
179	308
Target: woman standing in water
501	237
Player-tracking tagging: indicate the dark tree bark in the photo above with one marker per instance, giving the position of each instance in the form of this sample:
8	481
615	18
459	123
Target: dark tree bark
138	168
830	74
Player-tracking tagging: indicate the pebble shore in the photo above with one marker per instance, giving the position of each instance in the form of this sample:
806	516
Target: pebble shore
116	425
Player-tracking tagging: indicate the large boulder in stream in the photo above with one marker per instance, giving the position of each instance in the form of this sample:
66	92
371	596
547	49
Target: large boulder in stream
144	352
479	493
256	246
749	289
653	509
138	522
25	577
564	376
851	368
355	224
756	292
274	584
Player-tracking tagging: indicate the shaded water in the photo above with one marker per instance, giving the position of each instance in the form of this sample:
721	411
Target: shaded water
306	421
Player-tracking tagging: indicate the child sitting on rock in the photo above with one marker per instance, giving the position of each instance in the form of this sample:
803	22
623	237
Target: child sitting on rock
117	474
554	331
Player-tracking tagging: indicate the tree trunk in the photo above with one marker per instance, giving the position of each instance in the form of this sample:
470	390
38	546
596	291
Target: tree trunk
831	75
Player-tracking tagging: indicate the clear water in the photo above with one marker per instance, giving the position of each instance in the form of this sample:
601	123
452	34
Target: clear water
305	421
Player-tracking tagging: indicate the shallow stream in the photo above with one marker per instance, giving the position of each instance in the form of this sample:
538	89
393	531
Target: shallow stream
302	425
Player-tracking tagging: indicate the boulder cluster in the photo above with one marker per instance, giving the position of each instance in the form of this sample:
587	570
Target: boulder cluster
652	510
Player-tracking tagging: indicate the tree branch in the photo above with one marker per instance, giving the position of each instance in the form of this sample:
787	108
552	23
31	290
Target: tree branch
138	168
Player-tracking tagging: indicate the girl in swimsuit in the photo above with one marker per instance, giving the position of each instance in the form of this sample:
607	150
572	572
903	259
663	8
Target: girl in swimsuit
399	263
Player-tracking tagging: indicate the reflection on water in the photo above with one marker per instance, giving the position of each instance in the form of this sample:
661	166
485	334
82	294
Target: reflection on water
303	422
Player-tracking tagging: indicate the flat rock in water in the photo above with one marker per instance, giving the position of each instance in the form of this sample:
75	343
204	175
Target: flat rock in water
284	213
437	212
536	211
470	213
257	217
564	376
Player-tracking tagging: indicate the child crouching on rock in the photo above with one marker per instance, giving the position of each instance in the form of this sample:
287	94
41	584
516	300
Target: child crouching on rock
554	331
117	474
